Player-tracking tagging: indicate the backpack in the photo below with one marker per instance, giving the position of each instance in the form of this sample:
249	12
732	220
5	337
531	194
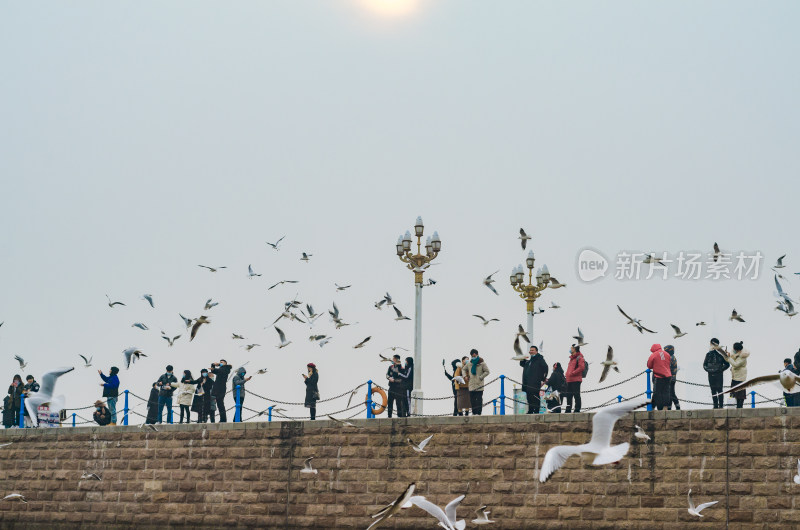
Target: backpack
585	367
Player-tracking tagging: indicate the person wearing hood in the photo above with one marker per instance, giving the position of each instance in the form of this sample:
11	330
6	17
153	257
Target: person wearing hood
558	384
673	368
221	371
201	403
110	386
165	392
478	372
574	377
658	362
312	389
534	372
239	380
738	362
454	364
185	394
715	364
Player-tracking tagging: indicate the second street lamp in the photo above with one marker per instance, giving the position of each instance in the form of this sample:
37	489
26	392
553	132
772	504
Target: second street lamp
531	291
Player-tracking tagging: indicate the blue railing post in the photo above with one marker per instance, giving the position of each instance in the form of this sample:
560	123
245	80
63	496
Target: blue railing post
370	414
73	419
752	399
269	412
22	411
619	399
649	390
502	395
237	415
494	405
125	417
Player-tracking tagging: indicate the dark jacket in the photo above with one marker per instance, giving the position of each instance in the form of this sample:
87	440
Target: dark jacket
31	387
534	371
102	416
557	379
165	380
673	365
408	382
312	390
152	406
715	363
221	382
397	373
110	386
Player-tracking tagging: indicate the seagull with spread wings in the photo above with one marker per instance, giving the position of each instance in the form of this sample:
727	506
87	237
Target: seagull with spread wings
447	517
579	337
197	323
736	316
170	341
132	355
21	361
608	364
361	344
635	322
281	283
250	273
486	322
86	362
306	257
275	244
149	298
399	314
524	238
488	281
393	508
112	304
282	338
212	269
678	332
696	510
779	264
45	394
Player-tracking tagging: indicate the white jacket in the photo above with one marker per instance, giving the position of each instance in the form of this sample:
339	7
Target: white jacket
738	361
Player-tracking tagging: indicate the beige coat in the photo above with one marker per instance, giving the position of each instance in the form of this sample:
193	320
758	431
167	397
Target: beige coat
738	361
184	393
476	380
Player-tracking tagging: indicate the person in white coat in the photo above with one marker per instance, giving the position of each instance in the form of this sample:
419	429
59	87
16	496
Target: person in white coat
738	362
185	394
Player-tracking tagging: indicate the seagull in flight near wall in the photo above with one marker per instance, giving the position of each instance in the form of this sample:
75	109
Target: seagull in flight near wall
393	508
696	510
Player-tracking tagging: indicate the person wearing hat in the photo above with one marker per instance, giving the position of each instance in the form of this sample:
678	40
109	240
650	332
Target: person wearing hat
738	362
221	371
239	380
673	368
312	389
101	413
110	386
714	364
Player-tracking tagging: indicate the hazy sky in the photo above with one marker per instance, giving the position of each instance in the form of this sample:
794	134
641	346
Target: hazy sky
140	139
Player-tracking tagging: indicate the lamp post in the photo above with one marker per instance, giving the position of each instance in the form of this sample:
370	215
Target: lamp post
418	263
531	291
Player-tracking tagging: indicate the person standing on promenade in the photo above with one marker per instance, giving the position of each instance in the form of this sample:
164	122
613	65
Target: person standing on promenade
15	393
461	380
185	395
408	383
478	372
658	362
221	371
738	362
312	389
165	391
201	404
397	392
574	377
110	386
239	380
557	383
454	365
673	368
715	364
534	372
152	405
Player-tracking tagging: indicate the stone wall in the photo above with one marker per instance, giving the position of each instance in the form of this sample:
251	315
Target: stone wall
247	475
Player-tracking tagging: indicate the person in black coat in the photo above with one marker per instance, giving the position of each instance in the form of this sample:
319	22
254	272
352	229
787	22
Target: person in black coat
312	389
557	383
221	370
456	412
534	372
715	364
201	404
15	393
152	405
396	377
408	383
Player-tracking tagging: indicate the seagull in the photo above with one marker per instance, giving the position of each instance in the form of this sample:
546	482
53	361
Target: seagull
553	305
608	364
678	332
395	348
187	321
140	326
579	337
250	273
780	293
541	346
797	477
716	252
779	264
305	257
88	476
14	497
486	322
250	346
600	444
45	394
483	516
210	304
342	422
275	244
696	510
341	287
421	447
735	316
5	445
212	269
394	507
197	323
261	371
324	341
361	344
149	298
388	299
148	426
640	434
555	284
307	466
700	324
384	358
447	517
523	237
281	283
519	355
379	303
488	281
522	333
652	259
312	338
786	378
170	341
787	308
87	362
399	314
132	355
112	304
21	361
283	343
237	336
635	322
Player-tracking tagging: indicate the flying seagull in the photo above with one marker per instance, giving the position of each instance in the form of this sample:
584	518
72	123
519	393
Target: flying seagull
780	293
486	322
379	303
197	323
324	341
735	316
210	304
187	321
361	344
651	259
635	322
237	336
787	379
14	497
212	269
170	341
488	281
281	283
421	447
394	348
600	444
640	434
45	394
385	358
343	423
519	355
399	314
250	273
608	364
87	362
579	337
312	338
132	355
112	304
249	347
307	469
797	477
678	332
555	284
21	361
140	326
282	337
787	308
522	333
696	510
483	516
716	252
700	324
275	244
341	287
388	299
447	517
262	371
779	264
523	237
393	508
149	298
305	257
553	305
89	476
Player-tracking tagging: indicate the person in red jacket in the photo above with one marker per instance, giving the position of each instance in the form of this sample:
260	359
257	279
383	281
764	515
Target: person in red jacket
574	377
659	363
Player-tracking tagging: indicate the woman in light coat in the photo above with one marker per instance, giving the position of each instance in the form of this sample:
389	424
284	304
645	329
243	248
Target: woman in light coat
185	394
478	372
461	384
738	362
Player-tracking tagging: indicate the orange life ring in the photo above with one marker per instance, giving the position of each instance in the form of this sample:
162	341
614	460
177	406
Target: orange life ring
382	407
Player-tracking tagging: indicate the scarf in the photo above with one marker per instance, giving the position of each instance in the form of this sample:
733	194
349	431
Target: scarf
475	362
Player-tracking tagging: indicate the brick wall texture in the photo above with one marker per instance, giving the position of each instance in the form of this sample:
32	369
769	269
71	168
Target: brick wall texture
248	475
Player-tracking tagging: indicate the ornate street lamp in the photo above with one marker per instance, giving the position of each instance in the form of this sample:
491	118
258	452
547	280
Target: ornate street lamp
531	291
